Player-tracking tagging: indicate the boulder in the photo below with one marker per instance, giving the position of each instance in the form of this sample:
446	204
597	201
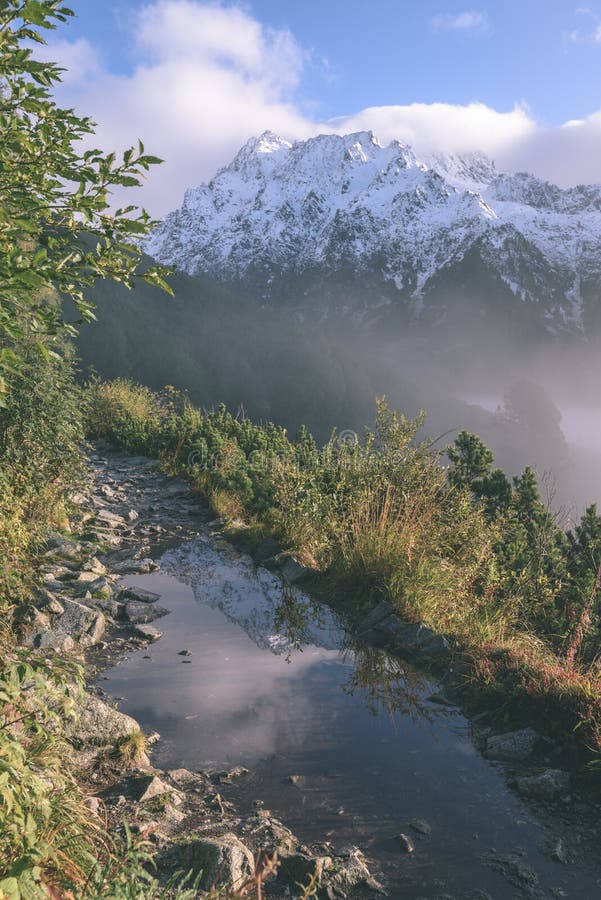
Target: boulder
95	566
46	600
513	746
147	633
224	860
136	566
547	785
300	868
29	616
83	623
293	571
383	628
100	587
110	519
98	724
140	613
52	640
138	593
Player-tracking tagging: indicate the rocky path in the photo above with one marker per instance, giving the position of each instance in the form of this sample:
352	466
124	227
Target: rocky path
90	609
131	514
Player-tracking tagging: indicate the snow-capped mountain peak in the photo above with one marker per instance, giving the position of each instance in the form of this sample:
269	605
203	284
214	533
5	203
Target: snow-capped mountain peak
308	211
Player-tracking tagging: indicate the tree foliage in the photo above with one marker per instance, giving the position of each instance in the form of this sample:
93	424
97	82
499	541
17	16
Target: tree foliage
58	234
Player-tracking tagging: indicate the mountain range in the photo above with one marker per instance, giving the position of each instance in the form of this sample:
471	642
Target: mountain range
343	226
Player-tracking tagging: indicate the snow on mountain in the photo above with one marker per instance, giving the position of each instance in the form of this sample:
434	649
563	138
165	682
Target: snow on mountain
334	203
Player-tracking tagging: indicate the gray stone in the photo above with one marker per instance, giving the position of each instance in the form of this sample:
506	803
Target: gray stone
47	601
138	593
63	547
29	616
353	871
95	566
380	612
98	724
293	571
100	587
140	613
110	519
52	640
81	622
223	860
547	785
300	868
108	606
513	746
383	628
405	843
421	826
152	788
136	566
147	633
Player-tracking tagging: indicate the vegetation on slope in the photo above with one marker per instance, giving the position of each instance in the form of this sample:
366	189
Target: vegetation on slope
460	547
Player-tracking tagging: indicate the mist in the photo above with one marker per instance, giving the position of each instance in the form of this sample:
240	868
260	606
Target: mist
532	398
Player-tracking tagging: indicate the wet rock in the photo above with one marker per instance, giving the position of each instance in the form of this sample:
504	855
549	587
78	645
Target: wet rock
547	785
383	628
147	633
153	738
558	852
83	623
352	870
512	866
421	826
98	724
140	613
232	774
222	860
136	567
300	868
513	746
405	842
292	571
138	593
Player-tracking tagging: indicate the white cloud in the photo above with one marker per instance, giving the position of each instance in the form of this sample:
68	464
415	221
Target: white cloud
592	34
468	22
444	126
206	77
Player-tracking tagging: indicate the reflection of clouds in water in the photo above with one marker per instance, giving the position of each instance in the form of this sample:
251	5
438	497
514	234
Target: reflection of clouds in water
232	694
248	594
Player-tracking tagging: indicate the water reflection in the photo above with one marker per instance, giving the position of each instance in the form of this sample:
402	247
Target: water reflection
385	684
370	751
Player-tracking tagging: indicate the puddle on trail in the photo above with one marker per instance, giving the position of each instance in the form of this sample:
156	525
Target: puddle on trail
371	751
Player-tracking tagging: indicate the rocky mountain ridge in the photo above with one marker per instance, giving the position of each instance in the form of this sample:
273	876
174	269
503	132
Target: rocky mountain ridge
343	225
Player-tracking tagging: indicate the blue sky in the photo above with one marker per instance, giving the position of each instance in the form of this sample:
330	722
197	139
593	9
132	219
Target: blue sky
386	51
503	77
